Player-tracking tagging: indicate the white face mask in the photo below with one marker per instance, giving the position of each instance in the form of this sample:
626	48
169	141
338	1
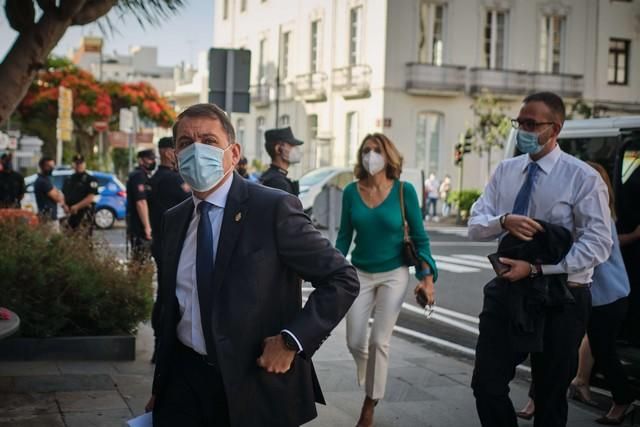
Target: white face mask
294	155
373	162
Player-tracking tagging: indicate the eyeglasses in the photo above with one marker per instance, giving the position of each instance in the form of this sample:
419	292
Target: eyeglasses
528	124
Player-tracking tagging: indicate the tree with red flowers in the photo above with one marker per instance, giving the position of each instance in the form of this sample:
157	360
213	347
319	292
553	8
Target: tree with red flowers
40	25
151	106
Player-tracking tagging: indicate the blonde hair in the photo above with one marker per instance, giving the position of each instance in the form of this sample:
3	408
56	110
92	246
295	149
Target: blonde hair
607	181
393	169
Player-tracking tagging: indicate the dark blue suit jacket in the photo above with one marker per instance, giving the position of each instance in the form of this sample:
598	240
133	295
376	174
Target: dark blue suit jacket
266	245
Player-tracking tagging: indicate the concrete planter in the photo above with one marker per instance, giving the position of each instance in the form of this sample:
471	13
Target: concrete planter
69	348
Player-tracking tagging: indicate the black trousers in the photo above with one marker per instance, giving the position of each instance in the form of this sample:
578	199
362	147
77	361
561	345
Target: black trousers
194	394
604	327
552	370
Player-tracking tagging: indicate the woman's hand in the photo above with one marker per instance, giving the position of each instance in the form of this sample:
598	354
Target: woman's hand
425	286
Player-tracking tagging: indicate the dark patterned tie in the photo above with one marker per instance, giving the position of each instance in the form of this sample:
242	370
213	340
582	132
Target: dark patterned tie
204	273
521	205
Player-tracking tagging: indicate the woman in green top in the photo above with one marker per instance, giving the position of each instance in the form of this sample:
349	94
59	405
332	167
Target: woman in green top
371	208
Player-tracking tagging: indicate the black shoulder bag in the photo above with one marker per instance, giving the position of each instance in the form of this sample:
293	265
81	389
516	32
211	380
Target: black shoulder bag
409	253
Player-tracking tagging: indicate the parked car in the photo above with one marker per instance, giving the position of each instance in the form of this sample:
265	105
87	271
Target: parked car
111	202
312	183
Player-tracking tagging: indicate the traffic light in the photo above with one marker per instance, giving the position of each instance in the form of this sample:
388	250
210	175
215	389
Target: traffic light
468	138
458	154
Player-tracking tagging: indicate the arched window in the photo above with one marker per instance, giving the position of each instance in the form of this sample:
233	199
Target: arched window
284	120
259	152
240	132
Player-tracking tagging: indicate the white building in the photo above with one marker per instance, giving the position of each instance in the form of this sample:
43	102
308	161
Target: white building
141	64
191	84
411	68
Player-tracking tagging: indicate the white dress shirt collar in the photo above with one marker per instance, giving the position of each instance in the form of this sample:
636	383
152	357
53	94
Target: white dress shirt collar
217	198
547	162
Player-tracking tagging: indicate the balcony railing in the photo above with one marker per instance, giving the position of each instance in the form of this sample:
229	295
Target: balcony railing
566	85
260	95
287	91
452	80
426	79
500	82
312	87
352	81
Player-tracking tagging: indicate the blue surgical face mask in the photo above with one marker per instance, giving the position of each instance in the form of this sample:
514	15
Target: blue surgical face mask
201	166
529	142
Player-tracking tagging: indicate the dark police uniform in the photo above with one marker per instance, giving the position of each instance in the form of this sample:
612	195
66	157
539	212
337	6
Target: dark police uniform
167	190
276	177
75	189
138	188
47	208
12	189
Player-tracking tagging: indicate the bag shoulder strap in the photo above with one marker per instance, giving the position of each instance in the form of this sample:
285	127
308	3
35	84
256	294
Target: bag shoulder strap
405	224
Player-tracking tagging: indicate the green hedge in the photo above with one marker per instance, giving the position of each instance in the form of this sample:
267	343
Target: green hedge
64	285
463	200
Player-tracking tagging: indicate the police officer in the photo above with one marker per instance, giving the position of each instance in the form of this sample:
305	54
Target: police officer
284	150
12	186
167	190
80	190
138	189
47	195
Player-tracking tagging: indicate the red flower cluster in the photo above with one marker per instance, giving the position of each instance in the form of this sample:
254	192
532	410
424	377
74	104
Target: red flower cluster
151	105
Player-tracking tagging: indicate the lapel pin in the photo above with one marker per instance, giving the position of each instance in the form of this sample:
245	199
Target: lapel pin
238	217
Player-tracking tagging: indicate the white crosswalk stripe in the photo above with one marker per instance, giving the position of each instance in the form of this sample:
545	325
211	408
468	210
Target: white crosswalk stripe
456	260
458	263
457	231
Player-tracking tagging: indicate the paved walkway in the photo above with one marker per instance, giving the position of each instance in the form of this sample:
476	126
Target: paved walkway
425	388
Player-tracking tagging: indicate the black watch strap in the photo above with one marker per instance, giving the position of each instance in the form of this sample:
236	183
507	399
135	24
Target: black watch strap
289	341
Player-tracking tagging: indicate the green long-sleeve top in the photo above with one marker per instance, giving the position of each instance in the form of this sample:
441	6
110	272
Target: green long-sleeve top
379	231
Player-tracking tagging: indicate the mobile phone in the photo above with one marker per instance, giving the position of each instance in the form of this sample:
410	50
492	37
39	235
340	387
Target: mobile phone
499	267
421	298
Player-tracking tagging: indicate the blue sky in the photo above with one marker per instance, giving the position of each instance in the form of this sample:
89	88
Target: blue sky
178	39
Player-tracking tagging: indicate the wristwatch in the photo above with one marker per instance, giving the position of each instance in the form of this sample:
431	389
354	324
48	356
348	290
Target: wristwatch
535	270
503	218
289	342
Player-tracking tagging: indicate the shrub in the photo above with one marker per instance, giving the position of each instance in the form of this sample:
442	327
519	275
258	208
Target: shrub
63	285
463	200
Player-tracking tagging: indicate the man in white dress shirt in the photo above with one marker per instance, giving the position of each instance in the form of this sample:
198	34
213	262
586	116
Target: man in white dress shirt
546	184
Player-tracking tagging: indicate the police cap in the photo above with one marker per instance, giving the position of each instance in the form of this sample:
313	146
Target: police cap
146	154
78	158
274	136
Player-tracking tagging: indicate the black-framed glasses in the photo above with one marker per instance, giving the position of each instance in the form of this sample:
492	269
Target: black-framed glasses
528	124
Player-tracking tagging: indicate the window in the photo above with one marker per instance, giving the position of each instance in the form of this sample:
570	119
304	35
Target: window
225	9
428	142
495	39
551	44
431	41
618	61
284	68
310	144
355	38
284	120
243	5
315	52
240	130
260	128
352	138
312	126
261	59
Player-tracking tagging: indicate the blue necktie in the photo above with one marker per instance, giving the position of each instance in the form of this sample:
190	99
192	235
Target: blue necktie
521	205
204	271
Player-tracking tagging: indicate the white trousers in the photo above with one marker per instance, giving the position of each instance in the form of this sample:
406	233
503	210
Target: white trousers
382	293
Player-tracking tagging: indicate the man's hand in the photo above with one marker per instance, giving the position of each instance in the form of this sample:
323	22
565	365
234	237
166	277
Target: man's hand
276	357
519	269
65	208
522	226
149	406
73	210
426	287
147	233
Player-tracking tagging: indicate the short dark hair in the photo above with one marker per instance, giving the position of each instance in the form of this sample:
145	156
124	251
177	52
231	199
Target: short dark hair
551	100
44	160
211	111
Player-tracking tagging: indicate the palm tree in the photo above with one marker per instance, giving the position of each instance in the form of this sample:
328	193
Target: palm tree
37	37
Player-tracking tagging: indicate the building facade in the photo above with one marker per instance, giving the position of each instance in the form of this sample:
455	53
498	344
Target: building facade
412	68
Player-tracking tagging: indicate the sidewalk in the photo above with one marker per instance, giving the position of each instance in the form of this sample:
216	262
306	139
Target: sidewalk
425	388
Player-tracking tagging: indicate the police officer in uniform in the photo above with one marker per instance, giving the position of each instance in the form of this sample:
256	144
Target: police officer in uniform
284	150
12	186
167	190
138	190
80	190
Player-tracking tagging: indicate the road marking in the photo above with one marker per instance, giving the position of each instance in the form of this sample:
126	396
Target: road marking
465	244
478	258
455	268
455	314
441	318
452	259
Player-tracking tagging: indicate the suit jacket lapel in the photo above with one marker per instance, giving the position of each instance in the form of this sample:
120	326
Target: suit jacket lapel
235	212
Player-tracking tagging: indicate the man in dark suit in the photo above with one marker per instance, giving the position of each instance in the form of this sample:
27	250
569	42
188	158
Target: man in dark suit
235	343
